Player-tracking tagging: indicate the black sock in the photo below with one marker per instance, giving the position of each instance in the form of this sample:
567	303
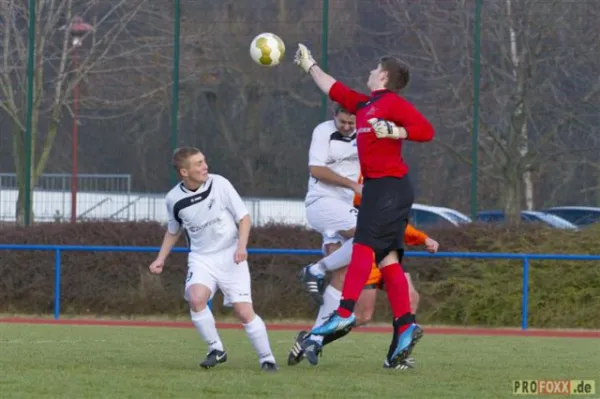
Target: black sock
335	336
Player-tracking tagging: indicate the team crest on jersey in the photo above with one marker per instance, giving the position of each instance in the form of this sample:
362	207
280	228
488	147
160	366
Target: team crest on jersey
211	203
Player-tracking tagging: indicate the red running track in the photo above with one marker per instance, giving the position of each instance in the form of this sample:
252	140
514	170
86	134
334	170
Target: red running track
504	332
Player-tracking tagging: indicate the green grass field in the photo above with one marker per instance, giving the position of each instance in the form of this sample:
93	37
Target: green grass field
41	361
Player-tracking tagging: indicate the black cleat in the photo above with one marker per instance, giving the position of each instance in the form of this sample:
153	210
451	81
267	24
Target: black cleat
312	350
312	283
213	358
295	355
269	367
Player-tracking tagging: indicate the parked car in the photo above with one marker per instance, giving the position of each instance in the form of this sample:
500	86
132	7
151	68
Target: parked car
578	215
528	216
427	216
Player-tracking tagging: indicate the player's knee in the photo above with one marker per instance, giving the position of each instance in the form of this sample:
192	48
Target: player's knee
198	298
197	304
337	278
244	312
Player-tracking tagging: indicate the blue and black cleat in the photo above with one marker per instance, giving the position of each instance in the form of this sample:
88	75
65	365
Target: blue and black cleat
334	324
404	347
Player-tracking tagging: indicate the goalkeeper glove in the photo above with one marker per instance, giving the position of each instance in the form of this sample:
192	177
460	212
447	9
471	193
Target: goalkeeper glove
304	58
387	130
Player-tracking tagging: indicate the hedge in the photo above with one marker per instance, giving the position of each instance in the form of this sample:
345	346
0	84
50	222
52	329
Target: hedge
563	294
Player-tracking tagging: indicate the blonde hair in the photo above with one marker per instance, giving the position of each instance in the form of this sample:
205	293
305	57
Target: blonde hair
181	156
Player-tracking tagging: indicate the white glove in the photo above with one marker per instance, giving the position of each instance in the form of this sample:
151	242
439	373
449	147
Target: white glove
387	130
304	58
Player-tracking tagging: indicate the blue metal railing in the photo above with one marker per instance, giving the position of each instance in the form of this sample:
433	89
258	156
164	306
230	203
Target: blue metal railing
525	258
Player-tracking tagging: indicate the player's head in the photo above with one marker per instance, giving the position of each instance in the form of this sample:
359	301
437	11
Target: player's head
345	122
190	164
391	74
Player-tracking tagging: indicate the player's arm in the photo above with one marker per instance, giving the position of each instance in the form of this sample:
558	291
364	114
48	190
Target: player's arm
169	240
347	98
172	234
167	245
324	174
413	236
235	205
415	125
317	157
245	225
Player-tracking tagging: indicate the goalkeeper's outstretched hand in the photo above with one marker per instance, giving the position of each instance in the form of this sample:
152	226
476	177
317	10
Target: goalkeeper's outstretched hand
387	130
304	58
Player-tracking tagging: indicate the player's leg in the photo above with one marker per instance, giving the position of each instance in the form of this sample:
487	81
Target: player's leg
406	332
365	241
414	295
234	281
337	259
365	307
331	298
336	221
313	344
414	305
200	286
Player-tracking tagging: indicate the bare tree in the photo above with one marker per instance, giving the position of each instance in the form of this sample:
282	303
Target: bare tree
105	44
537	84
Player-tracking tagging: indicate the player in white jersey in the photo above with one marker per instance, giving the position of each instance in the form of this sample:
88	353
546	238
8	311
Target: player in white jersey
217	226
333	182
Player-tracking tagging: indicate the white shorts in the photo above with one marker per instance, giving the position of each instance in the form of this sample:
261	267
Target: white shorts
329	216
219	271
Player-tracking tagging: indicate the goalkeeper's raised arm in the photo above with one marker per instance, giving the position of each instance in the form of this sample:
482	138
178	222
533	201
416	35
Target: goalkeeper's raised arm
305	60
338	92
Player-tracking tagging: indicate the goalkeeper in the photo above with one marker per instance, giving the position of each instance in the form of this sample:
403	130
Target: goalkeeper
383	121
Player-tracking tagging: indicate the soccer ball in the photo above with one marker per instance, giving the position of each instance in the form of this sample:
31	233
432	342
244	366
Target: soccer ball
267	49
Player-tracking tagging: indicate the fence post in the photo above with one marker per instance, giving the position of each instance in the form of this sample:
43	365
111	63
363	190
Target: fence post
524	304
57	284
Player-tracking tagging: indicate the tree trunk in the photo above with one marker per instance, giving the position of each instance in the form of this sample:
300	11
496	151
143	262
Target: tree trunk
20	205
519	114
512	196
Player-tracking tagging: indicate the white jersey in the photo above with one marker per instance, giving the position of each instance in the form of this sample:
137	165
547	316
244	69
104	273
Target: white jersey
332	149
209	215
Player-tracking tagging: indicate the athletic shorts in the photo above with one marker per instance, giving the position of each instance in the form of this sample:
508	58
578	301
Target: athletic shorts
383	215
219	271
375	280
329	216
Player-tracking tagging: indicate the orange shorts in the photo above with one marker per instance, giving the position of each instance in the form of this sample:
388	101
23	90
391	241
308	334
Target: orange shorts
375	278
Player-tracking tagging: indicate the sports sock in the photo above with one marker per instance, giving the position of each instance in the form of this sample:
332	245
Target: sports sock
356	277
336	260
331	300
205	325
257	333
397	293
339	258
335	336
